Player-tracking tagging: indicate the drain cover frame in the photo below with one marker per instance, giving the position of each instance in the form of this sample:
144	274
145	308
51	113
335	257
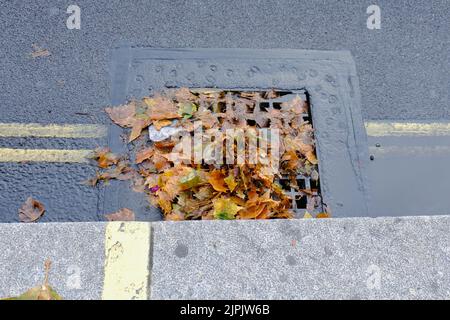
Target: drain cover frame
329	78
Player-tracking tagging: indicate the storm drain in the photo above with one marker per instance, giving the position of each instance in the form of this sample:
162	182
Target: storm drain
306	196
327	80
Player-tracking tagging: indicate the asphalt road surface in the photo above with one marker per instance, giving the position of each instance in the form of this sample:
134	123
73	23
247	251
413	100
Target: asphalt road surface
403	69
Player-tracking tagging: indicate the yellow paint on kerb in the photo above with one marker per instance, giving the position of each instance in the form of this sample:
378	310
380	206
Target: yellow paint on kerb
382	128
44	155
52	130
127	249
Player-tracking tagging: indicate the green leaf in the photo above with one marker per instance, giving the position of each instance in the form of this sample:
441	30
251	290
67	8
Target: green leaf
187	109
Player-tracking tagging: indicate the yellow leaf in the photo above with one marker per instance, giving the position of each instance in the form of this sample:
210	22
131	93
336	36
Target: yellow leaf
225	209
231	183
307	215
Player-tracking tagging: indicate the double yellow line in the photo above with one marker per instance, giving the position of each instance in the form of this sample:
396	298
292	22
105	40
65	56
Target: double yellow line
127	245
36	130
93	131
413	129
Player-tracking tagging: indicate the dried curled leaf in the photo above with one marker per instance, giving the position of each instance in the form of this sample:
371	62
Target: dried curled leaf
144	154
123	214
31	210
104	157
311	156
296	105
123	115
161	108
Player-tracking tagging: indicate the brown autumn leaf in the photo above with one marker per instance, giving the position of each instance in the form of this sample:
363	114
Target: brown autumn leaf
123	115
160	161
296	106
144	154
250	212
323	215
271	94
105	158
31	210
123	214
311	156
216	179
161	108
174	216
208	119
137	128
122	171
161	124
164	201
184	94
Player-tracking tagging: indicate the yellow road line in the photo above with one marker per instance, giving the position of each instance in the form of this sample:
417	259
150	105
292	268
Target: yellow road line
44	155
410	151
52	130
127	250
382	128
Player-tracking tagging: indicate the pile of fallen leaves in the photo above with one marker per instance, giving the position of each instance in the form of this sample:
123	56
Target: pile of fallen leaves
188	190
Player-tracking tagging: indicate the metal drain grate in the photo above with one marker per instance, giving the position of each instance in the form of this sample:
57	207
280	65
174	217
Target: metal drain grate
306	196
327	78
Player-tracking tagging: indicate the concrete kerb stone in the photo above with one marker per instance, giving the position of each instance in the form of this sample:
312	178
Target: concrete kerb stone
349	258
75	249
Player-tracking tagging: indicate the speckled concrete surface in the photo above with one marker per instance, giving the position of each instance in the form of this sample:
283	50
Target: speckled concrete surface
75	249
355	258
351	258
